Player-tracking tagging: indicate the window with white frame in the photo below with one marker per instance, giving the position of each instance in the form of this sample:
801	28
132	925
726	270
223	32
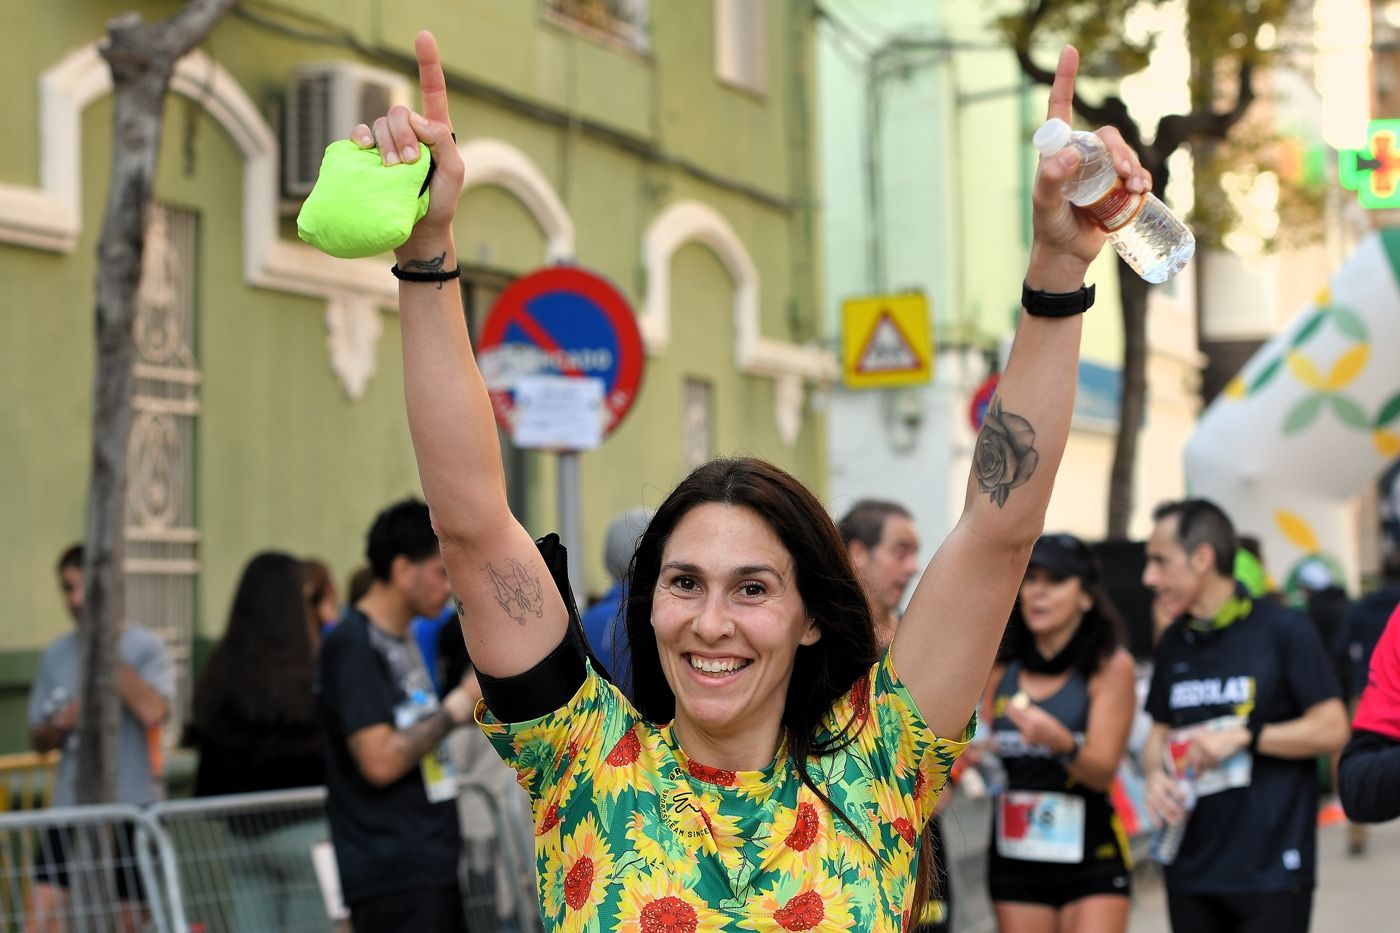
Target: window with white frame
623	22
697	422
162	538
741	43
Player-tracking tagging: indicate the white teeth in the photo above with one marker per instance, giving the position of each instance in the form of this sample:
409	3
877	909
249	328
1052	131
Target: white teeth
714	666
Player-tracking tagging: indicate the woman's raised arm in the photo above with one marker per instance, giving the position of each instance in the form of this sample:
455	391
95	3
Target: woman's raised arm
949	636
513	615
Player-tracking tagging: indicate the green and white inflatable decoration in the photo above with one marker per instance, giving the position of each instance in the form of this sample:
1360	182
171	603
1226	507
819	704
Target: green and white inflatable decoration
1311	419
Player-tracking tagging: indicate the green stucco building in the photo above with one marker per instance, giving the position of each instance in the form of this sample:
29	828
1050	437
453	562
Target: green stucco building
667	146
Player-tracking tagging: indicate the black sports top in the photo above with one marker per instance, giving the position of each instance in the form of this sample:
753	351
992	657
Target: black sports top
1037	767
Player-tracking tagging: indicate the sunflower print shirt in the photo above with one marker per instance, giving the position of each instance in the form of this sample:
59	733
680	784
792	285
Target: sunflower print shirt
632	835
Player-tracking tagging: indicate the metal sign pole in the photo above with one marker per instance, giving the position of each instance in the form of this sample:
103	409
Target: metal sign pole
571	519
565	348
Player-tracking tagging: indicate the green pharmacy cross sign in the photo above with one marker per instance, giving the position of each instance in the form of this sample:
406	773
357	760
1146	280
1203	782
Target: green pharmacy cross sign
1374	173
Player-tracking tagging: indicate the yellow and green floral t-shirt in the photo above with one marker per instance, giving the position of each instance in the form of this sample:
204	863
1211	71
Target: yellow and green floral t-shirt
631	835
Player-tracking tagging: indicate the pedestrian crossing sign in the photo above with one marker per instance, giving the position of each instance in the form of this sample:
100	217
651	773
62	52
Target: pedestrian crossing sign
887	340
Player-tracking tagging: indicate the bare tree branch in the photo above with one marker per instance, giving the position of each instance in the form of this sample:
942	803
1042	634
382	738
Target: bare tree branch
1177	129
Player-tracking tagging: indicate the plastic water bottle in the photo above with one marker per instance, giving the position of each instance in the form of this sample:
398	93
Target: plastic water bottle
993	773
1146	234
1166	842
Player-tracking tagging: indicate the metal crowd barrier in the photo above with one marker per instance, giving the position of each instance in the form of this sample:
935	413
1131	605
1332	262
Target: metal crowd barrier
231	864
243	862
89	869
498	871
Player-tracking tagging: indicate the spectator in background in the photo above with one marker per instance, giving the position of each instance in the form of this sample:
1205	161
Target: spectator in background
1369	776
255	728
1364	624
428	632
1249	566
358	585
884	549
322	598
494	814
391	795
1327	607
1356	643
145	684
602	623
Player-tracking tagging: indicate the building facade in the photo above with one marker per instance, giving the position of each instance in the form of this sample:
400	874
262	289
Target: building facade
927	175
665	146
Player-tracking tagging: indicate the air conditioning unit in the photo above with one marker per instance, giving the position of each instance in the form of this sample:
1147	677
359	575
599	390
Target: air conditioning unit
325	100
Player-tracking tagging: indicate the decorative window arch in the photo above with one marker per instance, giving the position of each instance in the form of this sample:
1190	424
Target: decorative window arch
790	364
49	216
494	162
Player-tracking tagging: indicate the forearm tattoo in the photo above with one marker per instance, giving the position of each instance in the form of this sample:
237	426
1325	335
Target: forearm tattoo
1005	456
518	590
435	264
412	743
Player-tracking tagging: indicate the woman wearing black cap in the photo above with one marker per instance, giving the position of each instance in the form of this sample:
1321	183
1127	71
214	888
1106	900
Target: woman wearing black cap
1060	702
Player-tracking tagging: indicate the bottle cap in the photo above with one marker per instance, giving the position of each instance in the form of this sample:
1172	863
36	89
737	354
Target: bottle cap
1052	136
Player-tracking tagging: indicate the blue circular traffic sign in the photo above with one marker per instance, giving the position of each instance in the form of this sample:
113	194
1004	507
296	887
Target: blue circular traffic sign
561	321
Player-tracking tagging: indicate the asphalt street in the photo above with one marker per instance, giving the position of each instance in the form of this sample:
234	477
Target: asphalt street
1359	893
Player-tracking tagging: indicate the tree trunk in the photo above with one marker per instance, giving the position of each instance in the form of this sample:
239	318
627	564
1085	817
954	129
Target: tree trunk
142	59
1132	401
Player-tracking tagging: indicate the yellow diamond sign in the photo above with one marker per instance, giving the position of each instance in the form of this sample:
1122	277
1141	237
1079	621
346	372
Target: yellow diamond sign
886	340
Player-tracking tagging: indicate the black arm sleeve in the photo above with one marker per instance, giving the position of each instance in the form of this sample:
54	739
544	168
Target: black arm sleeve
550	684
1368	778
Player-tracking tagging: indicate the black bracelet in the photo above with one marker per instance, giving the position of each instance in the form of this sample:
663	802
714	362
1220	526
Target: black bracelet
1056	304
401	275
1256	729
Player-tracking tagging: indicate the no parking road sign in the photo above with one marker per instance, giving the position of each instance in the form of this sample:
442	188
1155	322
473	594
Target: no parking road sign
568	324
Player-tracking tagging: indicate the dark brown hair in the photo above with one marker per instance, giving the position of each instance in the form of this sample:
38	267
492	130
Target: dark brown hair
1198	522
865	522
316	584
261	671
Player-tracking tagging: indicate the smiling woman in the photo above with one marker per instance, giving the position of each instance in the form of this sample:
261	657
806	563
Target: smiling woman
776	770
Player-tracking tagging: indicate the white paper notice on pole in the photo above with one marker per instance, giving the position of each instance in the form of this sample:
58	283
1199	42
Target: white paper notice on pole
558	413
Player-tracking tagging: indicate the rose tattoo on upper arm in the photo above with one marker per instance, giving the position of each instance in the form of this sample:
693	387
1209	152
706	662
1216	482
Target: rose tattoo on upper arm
1005	456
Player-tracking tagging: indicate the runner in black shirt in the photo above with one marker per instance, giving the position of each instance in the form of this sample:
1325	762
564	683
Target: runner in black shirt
1243	699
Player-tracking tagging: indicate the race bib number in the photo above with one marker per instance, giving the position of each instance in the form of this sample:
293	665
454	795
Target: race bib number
1235	771
439	778
1040	826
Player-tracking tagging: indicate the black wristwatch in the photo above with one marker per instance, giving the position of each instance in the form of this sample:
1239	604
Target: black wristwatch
1056	304
1068	757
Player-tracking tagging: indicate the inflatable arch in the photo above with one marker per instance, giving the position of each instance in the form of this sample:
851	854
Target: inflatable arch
1311	420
